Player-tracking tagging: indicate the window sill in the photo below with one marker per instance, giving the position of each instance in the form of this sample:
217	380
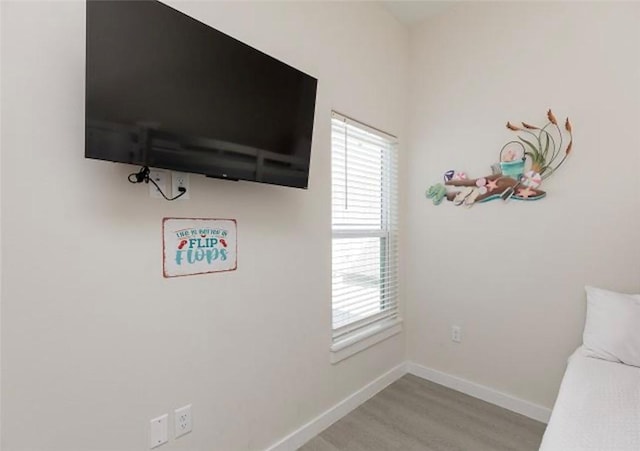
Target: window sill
365	339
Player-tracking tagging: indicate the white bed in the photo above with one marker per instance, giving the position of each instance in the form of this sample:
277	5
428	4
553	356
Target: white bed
598	407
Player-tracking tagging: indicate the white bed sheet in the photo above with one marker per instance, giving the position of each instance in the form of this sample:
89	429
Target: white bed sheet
598	407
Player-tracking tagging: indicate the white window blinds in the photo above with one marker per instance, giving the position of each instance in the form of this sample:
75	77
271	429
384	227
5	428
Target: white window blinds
364	226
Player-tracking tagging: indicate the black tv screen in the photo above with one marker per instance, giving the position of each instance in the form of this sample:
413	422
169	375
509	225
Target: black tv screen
167	91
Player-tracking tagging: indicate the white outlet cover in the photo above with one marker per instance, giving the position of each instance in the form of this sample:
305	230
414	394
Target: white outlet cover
158	434
179	179
456	334
161	178
183	420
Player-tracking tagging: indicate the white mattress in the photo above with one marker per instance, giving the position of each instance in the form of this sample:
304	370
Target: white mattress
598	407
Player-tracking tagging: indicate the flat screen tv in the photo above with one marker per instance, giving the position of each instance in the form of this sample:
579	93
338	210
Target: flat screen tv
167	91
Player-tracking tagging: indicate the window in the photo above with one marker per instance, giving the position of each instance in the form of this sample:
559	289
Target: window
365	236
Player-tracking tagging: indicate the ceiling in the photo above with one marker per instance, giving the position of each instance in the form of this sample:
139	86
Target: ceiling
411	12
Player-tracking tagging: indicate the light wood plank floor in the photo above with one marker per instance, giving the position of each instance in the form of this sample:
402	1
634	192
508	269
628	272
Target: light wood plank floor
414	414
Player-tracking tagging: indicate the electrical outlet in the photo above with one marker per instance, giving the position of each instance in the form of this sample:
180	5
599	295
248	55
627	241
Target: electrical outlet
179	180
162	179
456	334
183	420
158	431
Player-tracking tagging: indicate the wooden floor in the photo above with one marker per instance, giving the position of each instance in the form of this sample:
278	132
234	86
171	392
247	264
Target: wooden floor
414	414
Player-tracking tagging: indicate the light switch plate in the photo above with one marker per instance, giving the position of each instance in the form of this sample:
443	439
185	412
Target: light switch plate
158	434
183	420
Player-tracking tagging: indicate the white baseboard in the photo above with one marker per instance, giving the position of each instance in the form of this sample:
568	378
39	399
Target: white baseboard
302	435
482	392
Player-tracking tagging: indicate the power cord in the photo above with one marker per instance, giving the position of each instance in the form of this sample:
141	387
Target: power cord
142	176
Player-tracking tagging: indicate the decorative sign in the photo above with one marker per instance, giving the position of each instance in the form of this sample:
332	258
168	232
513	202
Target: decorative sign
198	246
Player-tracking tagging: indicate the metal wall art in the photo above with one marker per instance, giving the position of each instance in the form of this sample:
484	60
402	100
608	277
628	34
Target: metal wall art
525	162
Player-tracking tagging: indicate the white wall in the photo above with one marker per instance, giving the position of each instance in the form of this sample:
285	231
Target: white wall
1	47
95	342
512	275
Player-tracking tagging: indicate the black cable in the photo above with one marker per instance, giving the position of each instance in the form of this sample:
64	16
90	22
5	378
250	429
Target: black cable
181	189
142	176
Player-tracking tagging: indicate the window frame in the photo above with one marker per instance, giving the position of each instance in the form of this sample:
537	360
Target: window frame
358	335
